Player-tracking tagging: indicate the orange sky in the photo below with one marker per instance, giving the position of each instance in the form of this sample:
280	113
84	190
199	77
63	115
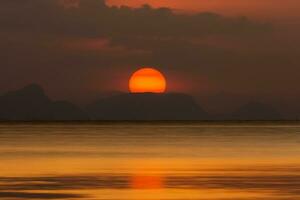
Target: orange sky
276	9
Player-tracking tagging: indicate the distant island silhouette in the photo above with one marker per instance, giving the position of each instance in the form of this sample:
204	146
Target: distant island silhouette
32	104
147	106
256	111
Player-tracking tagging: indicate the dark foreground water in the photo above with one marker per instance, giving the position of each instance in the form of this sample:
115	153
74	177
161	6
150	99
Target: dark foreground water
150	161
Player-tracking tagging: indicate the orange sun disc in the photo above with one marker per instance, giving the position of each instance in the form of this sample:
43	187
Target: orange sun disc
147	80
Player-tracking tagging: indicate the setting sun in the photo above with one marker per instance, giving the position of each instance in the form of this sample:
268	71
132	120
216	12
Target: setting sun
147	80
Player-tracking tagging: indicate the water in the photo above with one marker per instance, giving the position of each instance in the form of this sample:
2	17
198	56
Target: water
162	161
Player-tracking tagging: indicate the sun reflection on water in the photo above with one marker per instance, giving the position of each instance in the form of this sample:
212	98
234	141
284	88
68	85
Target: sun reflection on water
96	162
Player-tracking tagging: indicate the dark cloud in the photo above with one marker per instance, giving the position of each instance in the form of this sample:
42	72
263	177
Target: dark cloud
93	18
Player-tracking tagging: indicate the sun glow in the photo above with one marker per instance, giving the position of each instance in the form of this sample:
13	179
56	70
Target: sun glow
147	80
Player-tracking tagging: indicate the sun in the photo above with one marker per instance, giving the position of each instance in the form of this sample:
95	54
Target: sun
147	80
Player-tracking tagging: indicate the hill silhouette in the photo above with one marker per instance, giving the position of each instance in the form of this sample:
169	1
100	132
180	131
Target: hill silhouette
30	103
147	106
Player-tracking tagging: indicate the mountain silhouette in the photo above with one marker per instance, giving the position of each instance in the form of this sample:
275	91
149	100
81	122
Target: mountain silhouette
31	103
256	111
147	106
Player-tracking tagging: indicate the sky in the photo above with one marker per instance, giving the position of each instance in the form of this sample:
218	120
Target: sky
267	9
222	52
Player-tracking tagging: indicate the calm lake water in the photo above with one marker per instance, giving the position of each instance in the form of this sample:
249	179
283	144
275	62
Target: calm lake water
150	161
